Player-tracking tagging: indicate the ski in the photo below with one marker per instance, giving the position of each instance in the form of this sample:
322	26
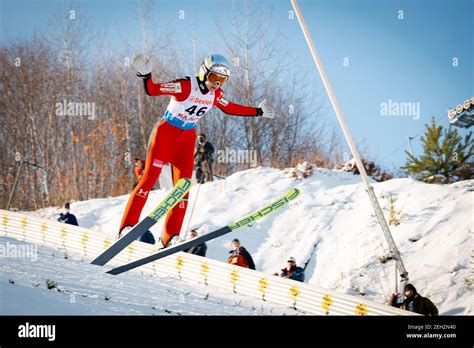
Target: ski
175	196
245	221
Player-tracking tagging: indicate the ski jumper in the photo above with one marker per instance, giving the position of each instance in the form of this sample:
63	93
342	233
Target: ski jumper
173	140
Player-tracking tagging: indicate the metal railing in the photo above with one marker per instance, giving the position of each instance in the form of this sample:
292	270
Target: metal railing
81	243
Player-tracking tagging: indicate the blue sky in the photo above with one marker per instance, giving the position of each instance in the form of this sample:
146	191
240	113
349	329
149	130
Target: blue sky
402	60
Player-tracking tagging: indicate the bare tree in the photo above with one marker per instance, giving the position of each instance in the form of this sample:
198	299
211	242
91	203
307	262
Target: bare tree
89	156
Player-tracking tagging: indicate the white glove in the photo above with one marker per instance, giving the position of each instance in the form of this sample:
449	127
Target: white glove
266	109
141	63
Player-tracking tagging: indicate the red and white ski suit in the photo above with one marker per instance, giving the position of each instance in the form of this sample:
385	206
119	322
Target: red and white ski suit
173	140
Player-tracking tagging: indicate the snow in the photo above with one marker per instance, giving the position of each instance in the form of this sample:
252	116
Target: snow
84	289
331	228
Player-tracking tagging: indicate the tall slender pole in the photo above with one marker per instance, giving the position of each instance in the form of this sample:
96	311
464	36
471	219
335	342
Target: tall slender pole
192	209
350	142
396	278
10	199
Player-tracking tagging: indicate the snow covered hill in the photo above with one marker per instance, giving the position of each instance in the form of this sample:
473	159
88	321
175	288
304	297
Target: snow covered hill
332	230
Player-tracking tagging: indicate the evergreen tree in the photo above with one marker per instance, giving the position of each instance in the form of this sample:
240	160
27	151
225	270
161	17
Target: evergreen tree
447	157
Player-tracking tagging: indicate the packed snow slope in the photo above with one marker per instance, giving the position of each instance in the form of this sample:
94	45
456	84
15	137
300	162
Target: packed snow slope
332	230
49	284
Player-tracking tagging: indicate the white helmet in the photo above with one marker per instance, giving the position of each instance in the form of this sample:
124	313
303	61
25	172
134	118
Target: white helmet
215	65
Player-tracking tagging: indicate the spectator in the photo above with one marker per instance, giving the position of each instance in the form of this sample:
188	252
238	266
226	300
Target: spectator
414	302
199	249
302	170
139	167
203	159
292	271
66	217
239	256
147	237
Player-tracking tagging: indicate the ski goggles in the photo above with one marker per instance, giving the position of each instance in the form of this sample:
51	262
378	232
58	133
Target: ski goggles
216	78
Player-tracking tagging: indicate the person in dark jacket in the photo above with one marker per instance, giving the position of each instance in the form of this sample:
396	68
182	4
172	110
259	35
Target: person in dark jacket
292	271
239	256
203	159
204	149
414	302
199	249
66	217
147	237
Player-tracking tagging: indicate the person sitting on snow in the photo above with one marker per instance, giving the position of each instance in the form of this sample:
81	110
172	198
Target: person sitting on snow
292	271
199	249
147	237
66	217
239	256
302	170
414	302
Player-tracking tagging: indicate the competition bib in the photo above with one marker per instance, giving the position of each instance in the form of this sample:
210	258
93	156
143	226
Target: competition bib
187	113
